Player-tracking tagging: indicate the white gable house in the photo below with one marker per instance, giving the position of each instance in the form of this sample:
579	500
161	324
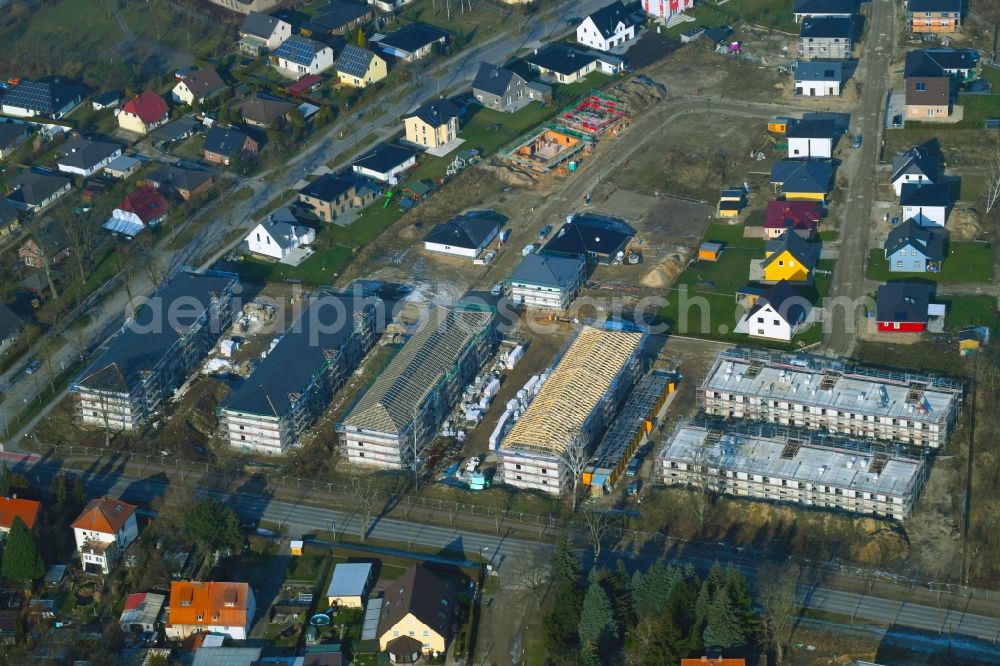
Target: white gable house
607	28
278	235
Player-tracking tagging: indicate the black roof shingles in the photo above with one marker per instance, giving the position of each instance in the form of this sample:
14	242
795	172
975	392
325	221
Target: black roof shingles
492	79
413	37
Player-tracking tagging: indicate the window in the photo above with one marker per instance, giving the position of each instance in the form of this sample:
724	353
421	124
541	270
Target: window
921	86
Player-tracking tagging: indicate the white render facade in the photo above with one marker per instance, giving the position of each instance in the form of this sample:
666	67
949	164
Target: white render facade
820	88
811	147
273	242
766	323
540	296
927	216
103	550
588	34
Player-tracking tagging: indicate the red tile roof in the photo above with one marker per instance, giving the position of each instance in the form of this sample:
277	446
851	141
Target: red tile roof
149	106
148	204
11	508
209	603
104	515
305	83
791	215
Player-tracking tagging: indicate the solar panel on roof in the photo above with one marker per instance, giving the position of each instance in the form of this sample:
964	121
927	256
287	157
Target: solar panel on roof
297	50
354	61
30	95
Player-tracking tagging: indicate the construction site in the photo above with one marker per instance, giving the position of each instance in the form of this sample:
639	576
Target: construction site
595	115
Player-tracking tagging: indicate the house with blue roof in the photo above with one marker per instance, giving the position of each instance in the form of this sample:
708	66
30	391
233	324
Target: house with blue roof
547	281
818	78
298	56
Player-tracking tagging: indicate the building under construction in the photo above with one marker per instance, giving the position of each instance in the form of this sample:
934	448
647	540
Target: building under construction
769	462
627	432
156	350
298	378
838	396
553	438
406	405
546	147
595	114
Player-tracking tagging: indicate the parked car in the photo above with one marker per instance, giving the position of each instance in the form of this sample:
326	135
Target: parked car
497	289
633	467
33	367
634	486
856	141
897	120
530	248
544	231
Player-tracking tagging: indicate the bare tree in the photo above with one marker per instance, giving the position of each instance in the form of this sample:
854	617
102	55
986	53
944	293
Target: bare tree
126	271
45	241
779	607
703	495
599	523
80	237
574	459
531	572
991	192
367	492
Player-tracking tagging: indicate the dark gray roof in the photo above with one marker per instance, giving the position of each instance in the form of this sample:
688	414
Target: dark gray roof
812	129
927	194
902	302
83	153
383	158
468	230
204	83
826	27
413	37
32	188
926	240
299	50
336	14
492	79
328	187
826	6
420	592
561	58
175	129
607	18
806	252
548	270
179	178
915	161
259	25
108	97
225	141
803	175
301	353
818	70
437	113
12	134
46	95
354	60
934	6
141	345
7	213
10	323
263	109
784	299
590	234
935	62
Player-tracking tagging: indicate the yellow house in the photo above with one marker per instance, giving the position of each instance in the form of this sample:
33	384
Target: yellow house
432	125
802	180
360	67
789	257
416	616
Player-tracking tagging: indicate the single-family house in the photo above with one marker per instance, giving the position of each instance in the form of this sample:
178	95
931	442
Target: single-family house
811	139
818	78
359	68
664	10
824	9
10	330
562	63
959	64
502	89
210	607
803	179
417	611
173	131
902	307
110	99
915	166
925	203
546	281
596	238
298	55
15	507
224	144
144	112
912	248
385	164
12	135
775	315
790	258
122	167
330	195
262	32
934	16
144	207
261	110
83	157
141	613
278	235
827	37
199	86
434	124
799	217
338	17
32	191
411	42
49	97
184	182
607	28
350	584
465	235
49	246
928	98
103	531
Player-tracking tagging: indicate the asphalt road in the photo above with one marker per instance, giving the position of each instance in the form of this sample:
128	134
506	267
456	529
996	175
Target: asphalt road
849	282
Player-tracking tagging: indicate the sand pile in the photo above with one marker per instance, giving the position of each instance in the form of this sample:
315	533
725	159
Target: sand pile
664	273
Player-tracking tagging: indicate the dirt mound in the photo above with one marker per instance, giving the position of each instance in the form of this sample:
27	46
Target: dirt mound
964	224
509	175
664	273
639	93
879	543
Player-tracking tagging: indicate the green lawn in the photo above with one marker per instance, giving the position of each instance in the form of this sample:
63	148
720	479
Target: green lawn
963	311
773	14
992	74
161	23
309	566
967	261
975	109
72	26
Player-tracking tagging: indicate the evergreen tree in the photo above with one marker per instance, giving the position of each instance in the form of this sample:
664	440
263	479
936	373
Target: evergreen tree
617	585
563	618
359	38
738	592
21	559
79	493
214	526
723	627
60	488
597	628
5	481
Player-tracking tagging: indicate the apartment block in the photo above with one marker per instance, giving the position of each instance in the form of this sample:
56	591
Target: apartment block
155	350
404	408
821	393
768	462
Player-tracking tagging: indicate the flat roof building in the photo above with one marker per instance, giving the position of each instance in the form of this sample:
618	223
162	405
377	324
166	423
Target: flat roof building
841	397
350	584
572	408
406	405
155	350
298	378
768	462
